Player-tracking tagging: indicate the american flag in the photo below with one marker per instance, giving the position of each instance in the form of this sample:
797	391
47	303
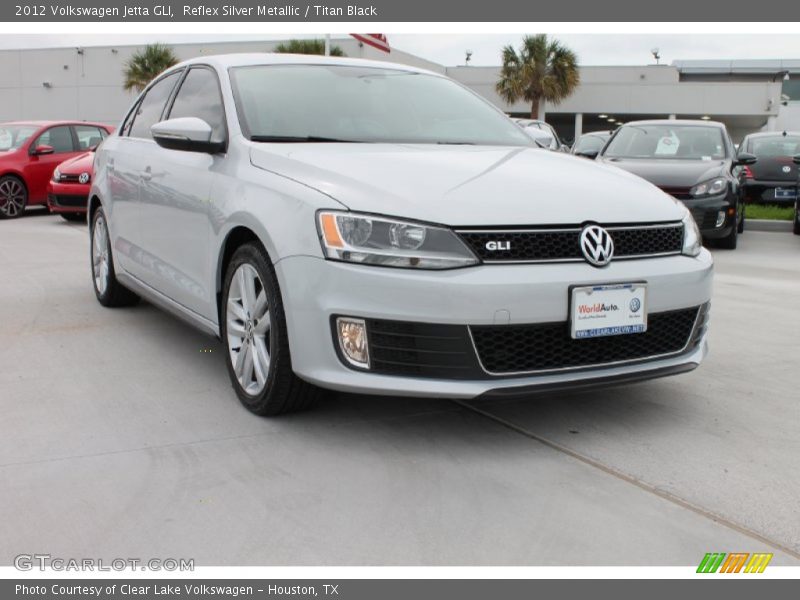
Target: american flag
376	40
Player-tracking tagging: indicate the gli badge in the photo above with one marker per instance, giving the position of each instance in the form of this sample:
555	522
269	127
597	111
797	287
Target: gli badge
83	178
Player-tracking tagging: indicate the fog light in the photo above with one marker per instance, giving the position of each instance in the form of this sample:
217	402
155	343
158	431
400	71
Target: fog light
353	341
720	218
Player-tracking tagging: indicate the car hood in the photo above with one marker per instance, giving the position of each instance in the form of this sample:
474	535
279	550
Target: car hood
469	185
670	172
83	163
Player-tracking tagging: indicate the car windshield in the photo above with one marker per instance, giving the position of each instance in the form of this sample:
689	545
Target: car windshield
13	136
775	146
330	103
690	142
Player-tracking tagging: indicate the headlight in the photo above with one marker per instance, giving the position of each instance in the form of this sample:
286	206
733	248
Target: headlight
692	240
710	187
56	175
370	240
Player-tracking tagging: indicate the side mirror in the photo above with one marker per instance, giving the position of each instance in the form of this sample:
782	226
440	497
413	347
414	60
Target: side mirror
186	133
590	154
745	159
43	149
796	159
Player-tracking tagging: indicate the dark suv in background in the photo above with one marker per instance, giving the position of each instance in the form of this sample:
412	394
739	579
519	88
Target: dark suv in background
695	162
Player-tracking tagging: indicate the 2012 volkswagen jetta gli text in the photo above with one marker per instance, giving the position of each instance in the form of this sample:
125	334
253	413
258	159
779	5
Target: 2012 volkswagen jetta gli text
370	227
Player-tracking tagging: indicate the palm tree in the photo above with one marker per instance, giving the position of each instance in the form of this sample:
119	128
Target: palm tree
542	70
141	68
307	47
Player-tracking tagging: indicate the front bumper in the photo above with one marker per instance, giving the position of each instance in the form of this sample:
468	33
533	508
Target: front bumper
706	210
67	197
314	290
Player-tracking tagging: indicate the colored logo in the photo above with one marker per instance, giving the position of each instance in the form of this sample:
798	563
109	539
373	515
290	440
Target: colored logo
736	562
635	305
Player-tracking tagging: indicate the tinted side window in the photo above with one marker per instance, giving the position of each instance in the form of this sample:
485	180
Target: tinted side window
152	105
60	138
199	97
89	136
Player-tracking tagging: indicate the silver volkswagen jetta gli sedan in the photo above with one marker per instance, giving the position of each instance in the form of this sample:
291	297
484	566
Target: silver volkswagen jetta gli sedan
375	228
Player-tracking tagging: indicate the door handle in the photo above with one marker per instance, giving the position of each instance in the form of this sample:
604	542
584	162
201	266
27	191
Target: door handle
147	174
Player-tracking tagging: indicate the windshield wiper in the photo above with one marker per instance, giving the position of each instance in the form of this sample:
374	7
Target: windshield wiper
298	139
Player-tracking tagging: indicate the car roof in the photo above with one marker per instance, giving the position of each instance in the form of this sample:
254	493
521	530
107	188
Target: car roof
682	122
226	61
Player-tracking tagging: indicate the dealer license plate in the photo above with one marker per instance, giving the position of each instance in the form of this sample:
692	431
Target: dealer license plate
785	193
602	310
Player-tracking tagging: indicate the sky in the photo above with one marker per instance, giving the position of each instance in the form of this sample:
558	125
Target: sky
450	49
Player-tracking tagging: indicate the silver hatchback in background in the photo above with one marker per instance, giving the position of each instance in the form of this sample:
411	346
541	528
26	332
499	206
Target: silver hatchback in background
375	228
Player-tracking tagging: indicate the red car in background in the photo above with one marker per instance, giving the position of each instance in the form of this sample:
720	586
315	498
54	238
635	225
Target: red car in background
68	190
29	153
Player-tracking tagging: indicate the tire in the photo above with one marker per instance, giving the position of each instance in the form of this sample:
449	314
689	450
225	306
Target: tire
740	226
74	217
254	334
13	197
730	241
796	228
109	291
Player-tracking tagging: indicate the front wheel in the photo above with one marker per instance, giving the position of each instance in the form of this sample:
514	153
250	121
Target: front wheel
13	197
796	228
256	340
740	227
108	290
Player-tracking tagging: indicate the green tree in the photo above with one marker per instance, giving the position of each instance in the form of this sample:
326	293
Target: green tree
145	64
307	47
543	69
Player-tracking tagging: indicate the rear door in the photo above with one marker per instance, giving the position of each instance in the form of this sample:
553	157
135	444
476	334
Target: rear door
41	166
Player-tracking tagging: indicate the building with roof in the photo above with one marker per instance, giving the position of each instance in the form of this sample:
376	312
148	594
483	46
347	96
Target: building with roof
746	95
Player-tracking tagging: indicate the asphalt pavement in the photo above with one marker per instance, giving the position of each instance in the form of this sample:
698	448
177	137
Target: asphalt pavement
120	436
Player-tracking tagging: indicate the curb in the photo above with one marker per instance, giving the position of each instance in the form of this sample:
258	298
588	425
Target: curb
767	225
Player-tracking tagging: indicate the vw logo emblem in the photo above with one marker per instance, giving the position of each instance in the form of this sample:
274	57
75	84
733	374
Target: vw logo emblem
597	245
787	169
84	178
635	305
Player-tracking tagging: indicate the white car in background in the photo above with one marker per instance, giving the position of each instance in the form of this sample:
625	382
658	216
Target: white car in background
376	228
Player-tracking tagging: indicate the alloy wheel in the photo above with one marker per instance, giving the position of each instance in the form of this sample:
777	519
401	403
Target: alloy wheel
249	329
100	257
12	197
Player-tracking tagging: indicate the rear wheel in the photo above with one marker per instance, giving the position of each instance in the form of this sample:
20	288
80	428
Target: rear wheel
796	221
256	340
108	290
740	226
74	217
13	197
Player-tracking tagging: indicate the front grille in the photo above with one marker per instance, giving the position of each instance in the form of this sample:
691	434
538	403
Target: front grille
679	193
69	178
544	245
549	346
421	349
449	351
68	200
